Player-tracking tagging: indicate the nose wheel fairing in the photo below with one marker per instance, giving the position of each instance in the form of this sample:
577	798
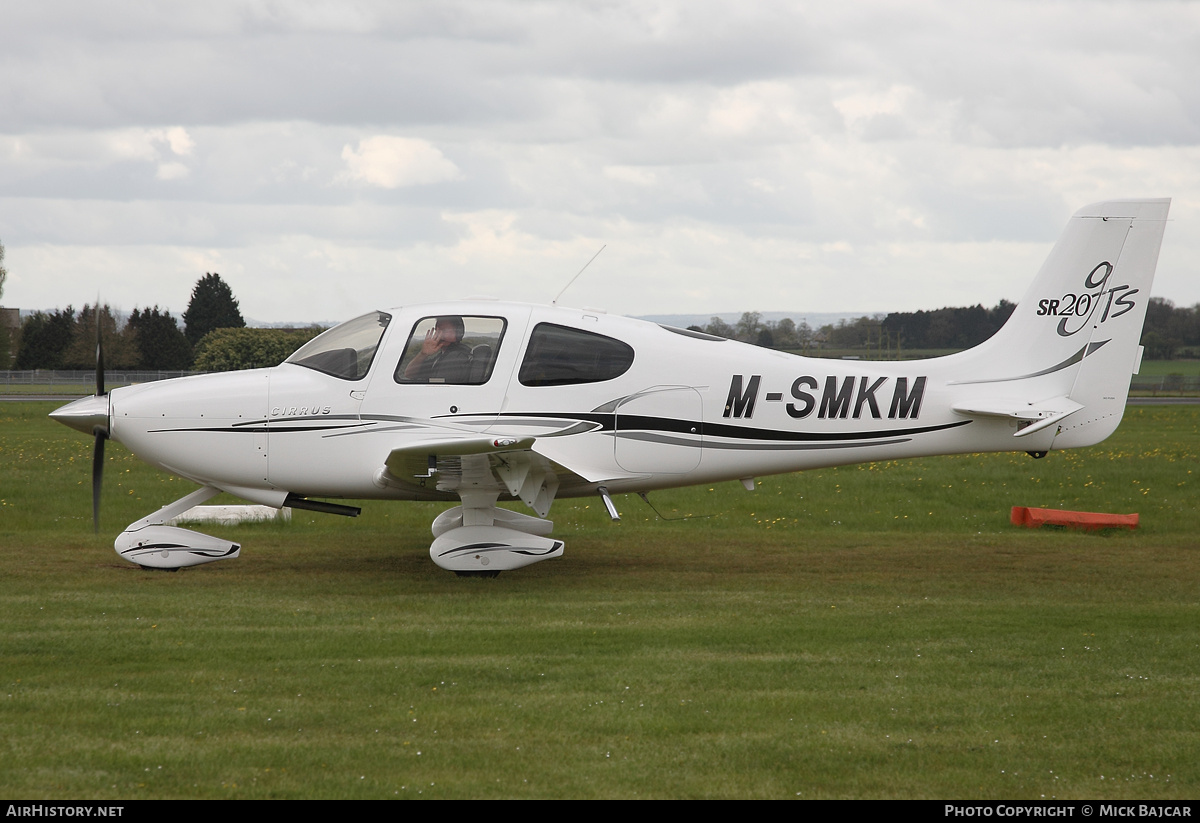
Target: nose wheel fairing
171	547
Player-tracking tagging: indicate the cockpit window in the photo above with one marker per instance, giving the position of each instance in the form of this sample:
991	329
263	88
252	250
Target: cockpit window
451	349
346	350
562	356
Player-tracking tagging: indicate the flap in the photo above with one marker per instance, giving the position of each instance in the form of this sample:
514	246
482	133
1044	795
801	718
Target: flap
408	461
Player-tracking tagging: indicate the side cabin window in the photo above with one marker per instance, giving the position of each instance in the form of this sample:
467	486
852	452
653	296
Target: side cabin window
563	356
346	350
451	349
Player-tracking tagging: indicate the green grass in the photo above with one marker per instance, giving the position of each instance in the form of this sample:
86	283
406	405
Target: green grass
67	390
1159	368
869	631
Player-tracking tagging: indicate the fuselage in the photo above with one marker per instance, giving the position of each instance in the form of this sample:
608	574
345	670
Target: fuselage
618	402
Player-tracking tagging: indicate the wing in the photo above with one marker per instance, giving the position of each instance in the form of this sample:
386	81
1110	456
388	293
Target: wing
503	464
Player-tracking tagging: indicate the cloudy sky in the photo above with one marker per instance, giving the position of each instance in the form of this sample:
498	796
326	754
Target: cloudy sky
327	158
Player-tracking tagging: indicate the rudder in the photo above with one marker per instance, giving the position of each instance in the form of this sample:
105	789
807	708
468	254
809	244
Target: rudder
1114	326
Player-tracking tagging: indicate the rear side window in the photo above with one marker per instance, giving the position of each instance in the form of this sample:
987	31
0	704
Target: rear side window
562	356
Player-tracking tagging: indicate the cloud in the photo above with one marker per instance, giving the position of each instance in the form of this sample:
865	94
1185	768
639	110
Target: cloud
762	153
149	144
396	162
178	139
171	171
631	174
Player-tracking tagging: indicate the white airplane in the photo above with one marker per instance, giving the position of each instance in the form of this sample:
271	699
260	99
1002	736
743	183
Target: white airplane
483	401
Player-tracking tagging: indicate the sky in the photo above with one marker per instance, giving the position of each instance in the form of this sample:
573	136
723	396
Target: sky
330	158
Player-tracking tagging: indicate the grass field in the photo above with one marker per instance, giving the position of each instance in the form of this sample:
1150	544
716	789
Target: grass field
64	389
870	631
1158	368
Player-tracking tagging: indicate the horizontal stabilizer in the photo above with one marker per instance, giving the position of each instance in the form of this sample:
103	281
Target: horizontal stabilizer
1036	416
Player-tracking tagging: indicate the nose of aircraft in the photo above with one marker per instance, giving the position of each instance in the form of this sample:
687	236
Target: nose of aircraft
85	415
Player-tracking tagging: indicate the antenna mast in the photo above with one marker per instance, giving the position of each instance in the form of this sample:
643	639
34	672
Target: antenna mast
554	302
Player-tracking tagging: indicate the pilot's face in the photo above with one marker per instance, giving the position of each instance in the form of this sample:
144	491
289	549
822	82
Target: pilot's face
446	332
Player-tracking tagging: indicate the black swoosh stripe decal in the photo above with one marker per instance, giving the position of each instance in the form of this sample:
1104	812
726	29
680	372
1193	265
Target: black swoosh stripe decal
648	437
641	423
273	430
487	548
1083	352
635	426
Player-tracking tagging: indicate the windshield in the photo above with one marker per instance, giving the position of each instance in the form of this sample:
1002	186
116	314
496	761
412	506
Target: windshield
345	351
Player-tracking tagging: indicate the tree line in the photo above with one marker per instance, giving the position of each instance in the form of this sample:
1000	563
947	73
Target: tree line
1169	331
213	337
946	328
5	334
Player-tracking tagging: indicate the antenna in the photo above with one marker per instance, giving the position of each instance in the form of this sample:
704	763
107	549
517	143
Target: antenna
554	302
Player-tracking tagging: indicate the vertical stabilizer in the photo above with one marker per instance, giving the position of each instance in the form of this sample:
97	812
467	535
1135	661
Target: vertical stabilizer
1072	343
1114	329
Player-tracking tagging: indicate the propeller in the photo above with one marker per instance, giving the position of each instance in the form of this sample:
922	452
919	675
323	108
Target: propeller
100	431
90	415
97	475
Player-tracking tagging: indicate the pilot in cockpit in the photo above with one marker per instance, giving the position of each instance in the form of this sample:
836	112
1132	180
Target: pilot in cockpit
443	357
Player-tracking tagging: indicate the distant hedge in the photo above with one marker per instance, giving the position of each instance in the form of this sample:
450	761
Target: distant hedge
237	349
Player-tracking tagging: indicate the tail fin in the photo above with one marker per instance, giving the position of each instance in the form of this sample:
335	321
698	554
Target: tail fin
1066	355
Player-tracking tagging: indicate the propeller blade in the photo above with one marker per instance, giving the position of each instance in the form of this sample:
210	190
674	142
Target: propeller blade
97	475
99	356
101	433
